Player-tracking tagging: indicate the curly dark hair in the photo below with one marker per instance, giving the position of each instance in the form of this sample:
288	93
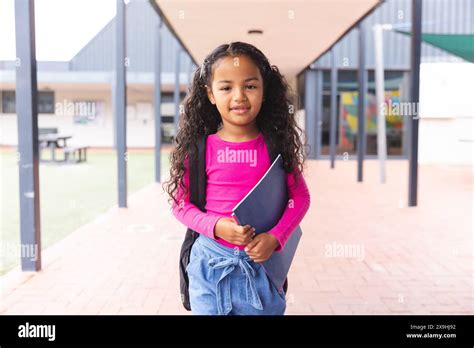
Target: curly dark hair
276	119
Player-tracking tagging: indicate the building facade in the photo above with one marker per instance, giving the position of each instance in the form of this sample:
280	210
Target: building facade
76	96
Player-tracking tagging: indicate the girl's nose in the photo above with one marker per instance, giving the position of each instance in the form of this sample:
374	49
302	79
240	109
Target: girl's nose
239	94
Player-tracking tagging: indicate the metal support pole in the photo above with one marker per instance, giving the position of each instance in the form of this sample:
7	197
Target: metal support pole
333	123
361	133
177	97
189	73
415	98
404	98
120	102
380	97
319	111
27	118
157	96
310	111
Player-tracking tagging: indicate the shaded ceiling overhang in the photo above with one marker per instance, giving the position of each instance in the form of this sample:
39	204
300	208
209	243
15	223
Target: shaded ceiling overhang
295	33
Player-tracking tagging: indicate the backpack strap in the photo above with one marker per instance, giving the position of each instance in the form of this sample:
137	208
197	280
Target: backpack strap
197	173
197	196
272	154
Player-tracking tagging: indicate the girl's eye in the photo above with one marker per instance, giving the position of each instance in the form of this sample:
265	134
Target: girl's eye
227	88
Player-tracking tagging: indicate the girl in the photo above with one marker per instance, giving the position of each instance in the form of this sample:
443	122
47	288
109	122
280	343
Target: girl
238	100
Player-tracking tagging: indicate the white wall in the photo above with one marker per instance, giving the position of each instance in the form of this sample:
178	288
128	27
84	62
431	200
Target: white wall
140	120
446	128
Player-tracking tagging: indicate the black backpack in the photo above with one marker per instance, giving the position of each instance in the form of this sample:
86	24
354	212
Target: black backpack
197	196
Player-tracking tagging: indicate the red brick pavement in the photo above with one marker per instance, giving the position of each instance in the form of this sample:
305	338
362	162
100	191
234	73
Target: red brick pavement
363	251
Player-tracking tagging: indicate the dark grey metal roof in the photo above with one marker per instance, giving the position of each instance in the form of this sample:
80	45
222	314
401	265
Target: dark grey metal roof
141	20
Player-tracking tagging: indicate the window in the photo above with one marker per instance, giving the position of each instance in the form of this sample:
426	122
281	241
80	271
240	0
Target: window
45	102
8	102
347	113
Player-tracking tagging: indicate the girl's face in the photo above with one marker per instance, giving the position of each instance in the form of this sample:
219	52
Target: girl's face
236	90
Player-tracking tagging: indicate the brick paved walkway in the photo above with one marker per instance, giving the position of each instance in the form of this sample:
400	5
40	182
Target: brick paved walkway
363	251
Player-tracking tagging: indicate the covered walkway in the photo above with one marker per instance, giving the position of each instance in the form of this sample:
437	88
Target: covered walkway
363	251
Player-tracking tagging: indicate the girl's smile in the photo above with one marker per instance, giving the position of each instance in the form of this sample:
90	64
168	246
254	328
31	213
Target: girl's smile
240	110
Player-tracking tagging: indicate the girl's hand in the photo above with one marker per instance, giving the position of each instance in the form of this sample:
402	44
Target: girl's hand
261	247
227	229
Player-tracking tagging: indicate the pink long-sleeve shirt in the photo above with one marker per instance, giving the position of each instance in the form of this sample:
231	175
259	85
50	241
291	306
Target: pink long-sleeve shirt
232	169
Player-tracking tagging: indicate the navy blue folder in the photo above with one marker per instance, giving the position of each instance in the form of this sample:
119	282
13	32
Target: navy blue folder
262	208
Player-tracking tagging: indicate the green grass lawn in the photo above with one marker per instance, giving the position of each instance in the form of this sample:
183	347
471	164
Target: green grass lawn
70	195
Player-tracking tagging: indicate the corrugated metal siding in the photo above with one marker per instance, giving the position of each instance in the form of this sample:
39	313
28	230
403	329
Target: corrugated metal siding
141	20
439	16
